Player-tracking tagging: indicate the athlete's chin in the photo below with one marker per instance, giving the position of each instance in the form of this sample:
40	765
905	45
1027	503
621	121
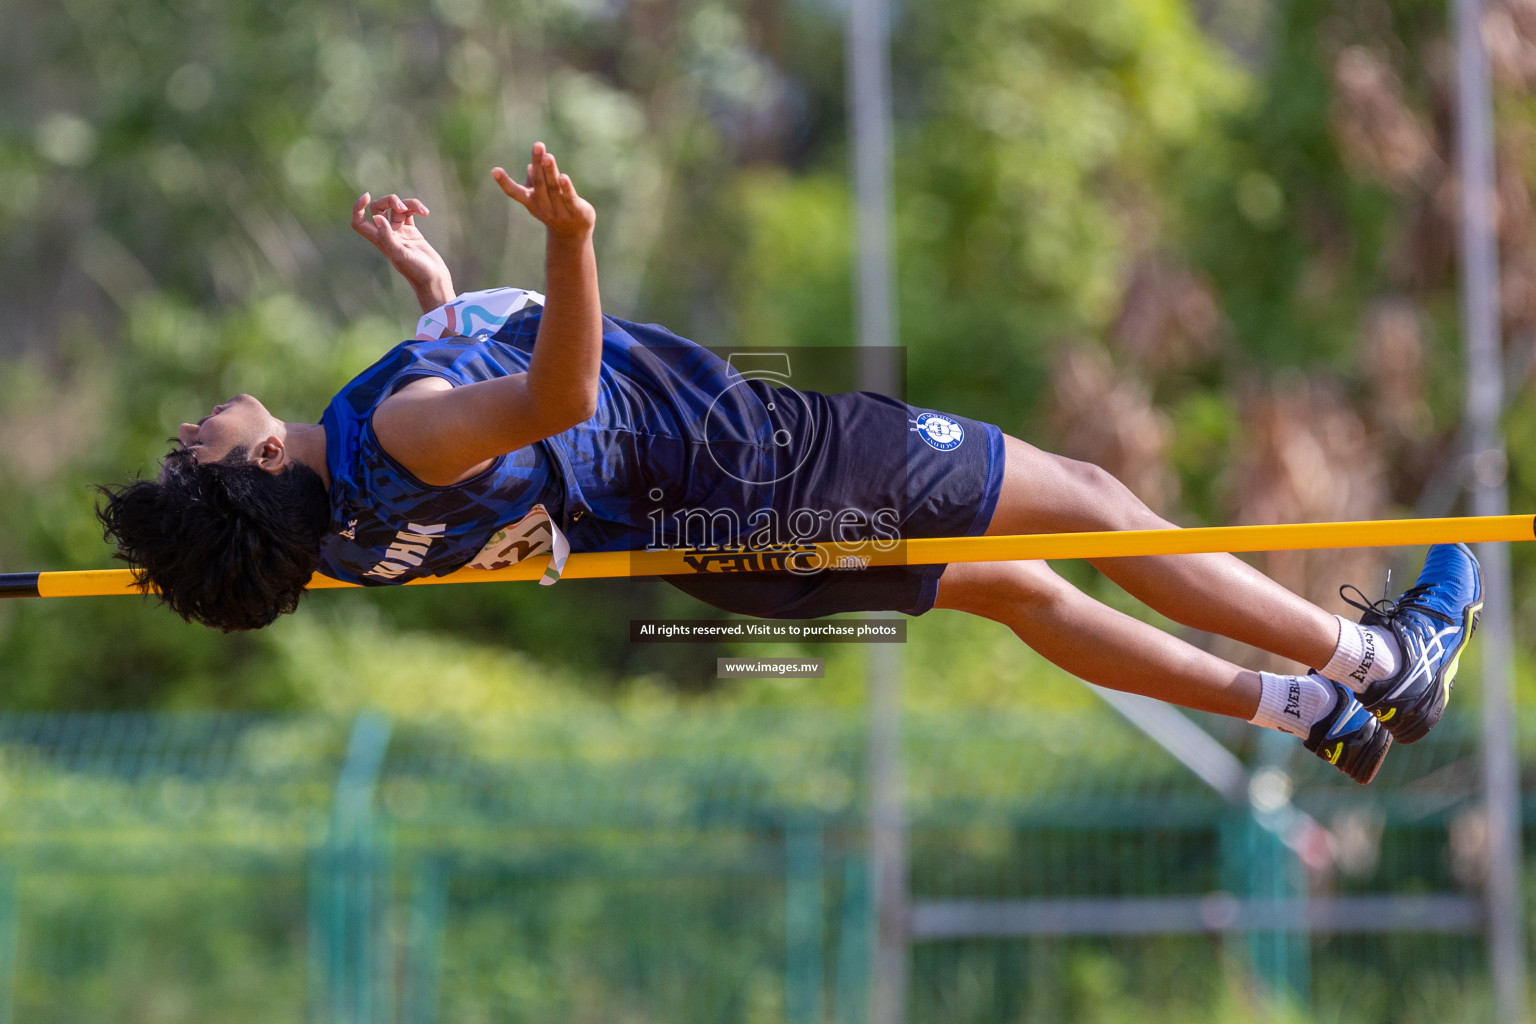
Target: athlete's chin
251	401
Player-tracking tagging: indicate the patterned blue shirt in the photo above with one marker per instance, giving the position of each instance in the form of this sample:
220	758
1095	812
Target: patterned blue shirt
675	424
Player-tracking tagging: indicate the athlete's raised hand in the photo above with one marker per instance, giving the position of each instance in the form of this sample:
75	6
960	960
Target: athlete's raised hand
390	224
549	196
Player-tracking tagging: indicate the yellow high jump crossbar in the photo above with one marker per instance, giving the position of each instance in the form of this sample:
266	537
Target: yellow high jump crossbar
917	551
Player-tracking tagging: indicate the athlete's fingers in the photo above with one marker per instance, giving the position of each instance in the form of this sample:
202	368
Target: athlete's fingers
538	175
512	188
400	210
537	155
417	207
390	202
568	193
360	222
543	202
521	193
388	244
551	173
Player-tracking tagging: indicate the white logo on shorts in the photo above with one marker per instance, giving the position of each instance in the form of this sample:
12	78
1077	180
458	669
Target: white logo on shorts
940	432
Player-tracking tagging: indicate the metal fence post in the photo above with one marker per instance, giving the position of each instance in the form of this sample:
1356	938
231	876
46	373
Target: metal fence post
803	921
852	986
1281	959
8	938
1258	865
869	94
424	941
345	889
1486	479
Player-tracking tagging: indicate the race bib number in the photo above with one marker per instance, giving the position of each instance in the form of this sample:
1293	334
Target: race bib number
534	534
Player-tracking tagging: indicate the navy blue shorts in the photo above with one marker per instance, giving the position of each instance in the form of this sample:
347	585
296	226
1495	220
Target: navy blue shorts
903	470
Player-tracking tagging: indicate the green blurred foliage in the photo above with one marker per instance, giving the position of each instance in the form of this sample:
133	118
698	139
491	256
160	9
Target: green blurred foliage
222	949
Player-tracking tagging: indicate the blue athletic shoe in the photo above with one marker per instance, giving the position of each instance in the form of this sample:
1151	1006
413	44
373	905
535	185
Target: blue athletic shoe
1350	738
1432	621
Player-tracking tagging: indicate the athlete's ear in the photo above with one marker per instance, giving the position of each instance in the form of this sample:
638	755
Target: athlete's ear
270	455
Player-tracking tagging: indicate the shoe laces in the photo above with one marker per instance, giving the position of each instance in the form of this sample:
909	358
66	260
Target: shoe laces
1384	606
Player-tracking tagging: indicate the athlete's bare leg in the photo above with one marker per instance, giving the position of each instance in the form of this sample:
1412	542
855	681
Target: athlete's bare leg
1093	641
1215	593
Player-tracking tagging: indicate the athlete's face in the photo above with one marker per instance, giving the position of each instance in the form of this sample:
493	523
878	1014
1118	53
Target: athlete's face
241	421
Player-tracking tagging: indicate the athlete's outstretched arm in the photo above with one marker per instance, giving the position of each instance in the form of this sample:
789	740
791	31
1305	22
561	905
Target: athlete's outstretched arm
568	352
390	224
444	434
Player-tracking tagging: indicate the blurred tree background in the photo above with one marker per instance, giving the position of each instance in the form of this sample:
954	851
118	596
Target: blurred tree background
1209	245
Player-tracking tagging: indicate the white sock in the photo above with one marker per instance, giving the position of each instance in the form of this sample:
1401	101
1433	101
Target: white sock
1364	655
1293	704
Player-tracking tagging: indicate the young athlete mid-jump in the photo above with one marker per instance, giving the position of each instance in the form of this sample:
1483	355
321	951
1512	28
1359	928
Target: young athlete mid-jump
530	422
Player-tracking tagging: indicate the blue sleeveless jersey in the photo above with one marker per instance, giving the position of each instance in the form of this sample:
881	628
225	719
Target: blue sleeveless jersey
682	452
661	400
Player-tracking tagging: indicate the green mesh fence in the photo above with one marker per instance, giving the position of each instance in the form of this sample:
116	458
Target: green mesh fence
680	867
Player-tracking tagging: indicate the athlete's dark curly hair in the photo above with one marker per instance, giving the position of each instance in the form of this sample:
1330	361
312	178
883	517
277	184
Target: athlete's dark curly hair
227	544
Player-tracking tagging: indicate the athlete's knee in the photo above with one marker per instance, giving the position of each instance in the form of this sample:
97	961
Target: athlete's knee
1106	503
1033	589
1002	591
